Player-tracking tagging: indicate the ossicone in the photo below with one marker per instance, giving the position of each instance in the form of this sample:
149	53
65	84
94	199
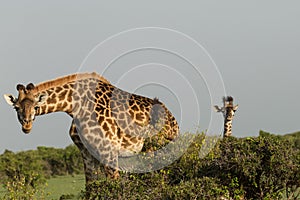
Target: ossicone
30	86
229	98
20	87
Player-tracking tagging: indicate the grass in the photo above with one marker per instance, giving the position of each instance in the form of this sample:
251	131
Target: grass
61	185
64	185
2	192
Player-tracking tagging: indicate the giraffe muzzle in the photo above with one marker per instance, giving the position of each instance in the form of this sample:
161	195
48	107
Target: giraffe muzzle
26	128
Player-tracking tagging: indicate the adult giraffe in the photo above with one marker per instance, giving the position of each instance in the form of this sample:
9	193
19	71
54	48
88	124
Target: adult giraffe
107	122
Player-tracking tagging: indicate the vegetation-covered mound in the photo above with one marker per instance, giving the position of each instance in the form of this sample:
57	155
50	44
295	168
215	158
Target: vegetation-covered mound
264	167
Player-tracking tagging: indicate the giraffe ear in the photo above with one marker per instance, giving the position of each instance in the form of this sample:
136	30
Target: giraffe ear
30	86
10	99
218	109
41	99
235	107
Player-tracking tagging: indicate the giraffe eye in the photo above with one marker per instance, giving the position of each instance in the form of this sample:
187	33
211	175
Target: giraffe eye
36	107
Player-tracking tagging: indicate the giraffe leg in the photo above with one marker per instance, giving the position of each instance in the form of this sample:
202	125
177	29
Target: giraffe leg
111	172
99	143
108	158
92	167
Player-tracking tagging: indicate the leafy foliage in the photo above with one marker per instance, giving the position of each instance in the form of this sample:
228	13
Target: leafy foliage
21	174
24	174
263	167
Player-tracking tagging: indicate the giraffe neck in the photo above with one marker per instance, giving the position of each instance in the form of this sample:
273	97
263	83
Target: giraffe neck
65	93
59	99
228	122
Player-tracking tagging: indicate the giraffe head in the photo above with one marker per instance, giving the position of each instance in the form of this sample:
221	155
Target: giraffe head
228	109
228	104
26	105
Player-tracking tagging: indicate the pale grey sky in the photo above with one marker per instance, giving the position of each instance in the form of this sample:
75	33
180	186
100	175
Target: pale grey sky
255	45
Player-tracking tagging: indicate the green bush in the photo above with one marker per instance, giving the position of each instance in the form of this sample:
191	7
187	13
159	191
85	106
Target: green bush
24	174
264	167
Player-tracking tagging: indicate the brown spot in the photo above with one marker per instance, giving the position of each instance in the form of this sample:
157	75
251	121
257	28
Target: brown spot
65	104
59	105
131	113
98	108
92	123
97	140
92	85
58	89
122	116
62	95
113	129
76	97
139	116
121	123
69	99
122	108
119	133
125	142
112	104
101	119
127	132
51	101
86	118
101	111
90	138
107	114
105	143
135	108
105	97
128	120
50	109
98	95
134	140
80	90
98	131
108	134
53	95
105	126
109	121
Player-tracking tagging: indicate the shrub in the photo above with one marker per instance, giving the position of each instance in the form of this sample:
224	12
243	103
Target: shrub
264	167
22	175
